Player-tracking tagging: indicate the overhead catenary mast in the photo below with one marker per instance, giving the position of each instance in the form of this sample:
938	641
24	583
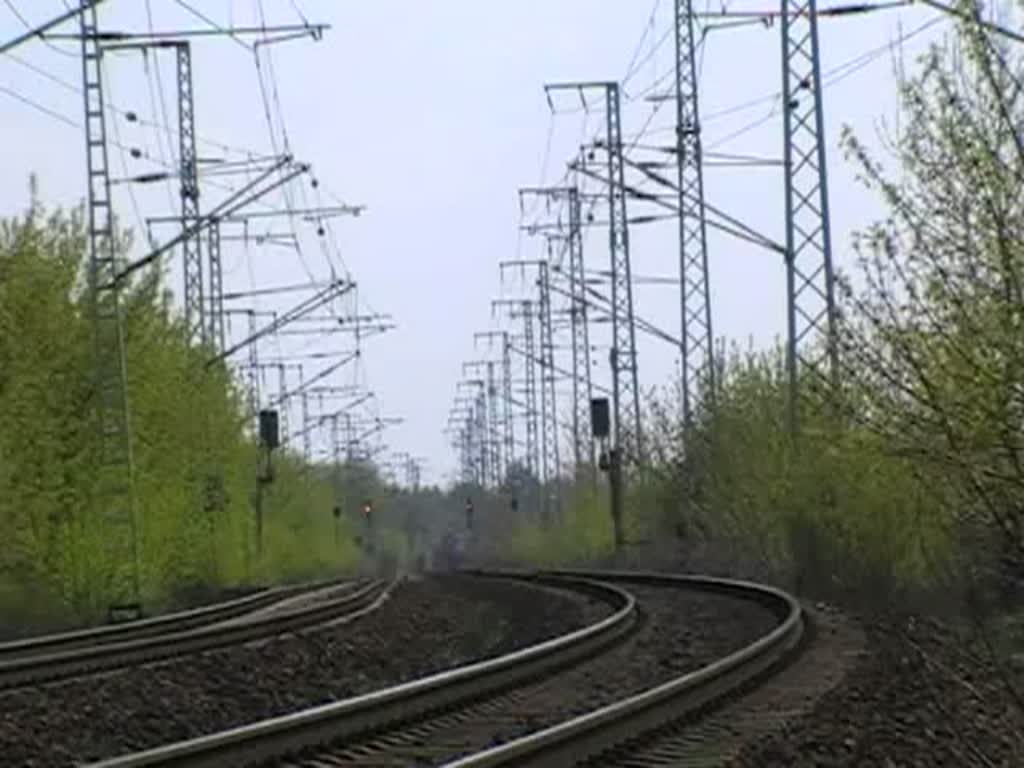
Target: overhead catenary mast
696	335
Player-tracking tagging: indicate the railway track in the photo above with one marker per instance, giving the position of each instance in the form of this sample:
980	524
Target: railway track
576	697
59	657
157	625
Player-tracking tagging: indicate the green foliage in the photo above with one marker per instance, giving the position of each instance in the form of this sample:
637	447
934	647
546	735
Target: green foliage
935	337
835	509
583	534
915	468
302	539
194	456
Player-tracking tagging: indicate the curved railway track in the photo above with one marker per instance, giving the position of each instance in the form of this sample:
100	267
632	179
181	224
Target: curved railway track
58	657
556	703
157	625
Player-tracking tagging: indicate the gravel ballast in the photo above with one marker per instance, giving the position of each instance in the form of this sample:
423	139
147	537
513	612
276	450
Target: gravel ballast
679	630
426	626
918	697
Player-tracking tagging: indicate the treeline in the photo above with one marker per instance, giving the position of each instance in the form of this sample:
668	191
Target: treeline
908	481
910	476
195	456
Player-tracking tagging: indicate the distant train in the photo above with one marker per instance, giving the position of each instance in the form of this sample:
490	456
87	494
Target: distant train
451	553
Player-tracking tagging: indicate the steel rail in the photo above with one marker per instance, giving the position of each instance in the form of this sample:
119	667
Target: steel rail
268	739
575	740
59	665
169	622
564	744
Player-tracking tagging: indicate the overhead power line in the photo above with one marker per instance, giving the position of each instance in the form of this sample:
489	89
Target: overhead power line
39	31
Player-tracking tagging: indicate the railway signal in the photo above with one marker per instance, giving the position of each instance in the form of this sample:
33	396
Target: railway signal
368	541
270	439
270	435
610	460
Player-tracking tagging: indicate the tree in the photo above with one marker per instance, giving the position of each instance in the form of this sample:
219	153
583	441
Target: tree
195	454
935	339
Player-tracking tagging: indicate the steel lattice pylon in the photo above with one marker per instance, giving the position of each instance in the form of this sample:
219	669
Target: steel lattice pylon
115	478
697	339
491	437
336	457
217	334
307	437
195	310
282	385
549	401
480	430
468	465
350	439
492	433
506	376
529	359
502	425
626	385
809	275
583	444
254	369
335	441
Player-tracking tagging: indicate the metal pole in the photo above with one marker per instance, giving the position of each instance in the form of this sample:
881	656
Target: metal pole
481	435
696	337
548	396
809	273
493	437
628	428
506	373
307	436
116	477
581	379
254	368
217	335
191	246
532	447
282	383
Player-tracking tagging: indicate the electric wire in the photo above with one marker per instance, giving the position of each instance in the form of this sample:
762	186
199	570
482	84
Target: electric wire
142	120
161	137
164	129
40	107
29	26
203	17
661	41
281	130
633	67
115	129
298	10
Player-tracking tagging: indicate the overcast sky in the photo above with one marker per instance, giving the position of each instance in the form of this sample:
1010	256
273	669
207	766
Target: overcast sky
432	114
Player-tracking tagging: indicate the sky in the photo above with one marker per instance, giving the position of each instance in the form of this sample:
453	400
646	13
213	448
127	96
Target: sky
433	115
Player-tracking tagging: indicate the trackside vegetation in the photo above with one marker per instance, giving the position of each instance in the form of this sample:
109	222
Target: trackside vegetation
908	481
194	452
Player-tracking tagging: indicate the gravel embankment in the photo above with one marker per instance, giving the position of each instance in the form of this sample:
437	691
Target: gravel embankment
919	697
427	626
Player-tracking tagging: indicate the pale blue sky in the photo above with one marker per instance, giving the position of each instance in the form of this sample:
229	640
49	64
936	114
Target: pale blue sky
432	114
